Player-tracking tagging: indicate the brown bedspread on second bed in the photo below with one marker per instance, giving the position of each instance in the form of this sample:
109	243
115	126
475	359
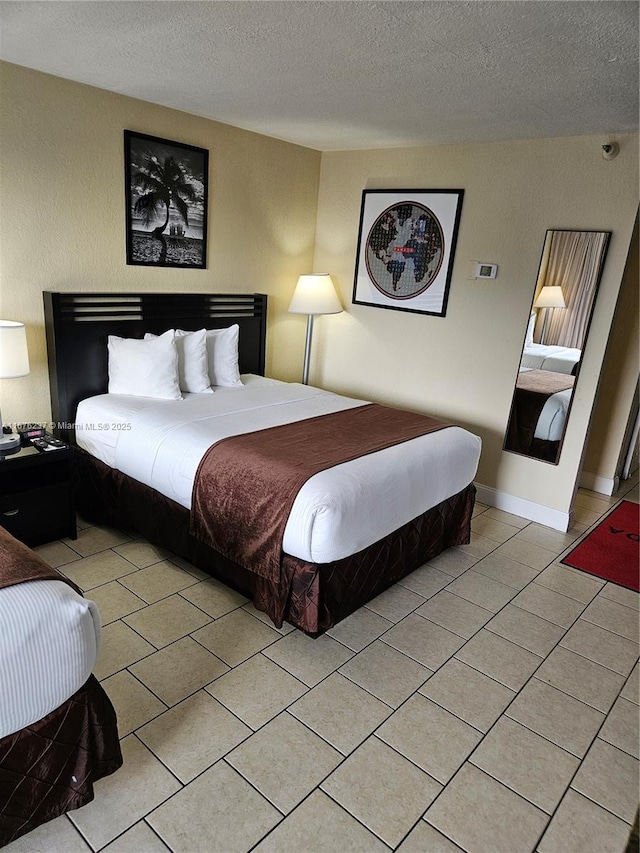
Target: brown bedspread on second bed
245	485
533	389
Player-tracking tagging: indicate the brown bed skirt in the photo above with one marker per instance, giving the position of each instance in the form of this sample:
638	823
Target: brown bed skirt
311	596
49	767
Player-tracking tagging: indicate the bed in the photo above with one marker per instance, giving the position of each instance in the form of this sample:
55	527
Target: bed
553	358
387	513
58	730
539	411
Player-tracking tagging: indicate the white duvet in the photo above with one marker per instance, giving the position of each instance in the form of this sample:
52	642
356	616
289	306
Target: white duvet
336	513
556	359
48	646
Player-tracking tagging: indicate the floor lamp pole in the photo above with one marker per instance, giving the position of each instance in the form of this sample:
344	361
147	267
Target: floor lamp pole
307	350
544	325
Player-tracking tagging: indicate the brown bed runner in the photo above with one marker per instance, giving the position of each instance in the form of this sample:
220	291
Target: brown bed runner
245	485
19	564
533	389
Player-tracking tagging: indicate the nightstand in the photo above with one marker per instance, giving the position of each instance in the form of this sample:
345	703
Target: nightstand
37	502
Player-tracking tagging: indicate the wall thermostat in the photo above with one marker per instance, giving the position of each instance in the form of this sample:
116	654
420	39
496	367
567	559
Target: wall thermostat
486	270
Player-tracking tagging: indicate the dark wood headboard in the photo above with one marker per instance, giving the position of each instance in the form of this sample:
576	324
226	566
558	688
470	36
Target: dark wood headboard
78	324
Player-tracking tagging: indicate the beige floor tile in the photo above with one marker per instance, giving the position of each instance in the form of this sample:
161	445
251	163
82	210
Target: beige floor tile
608	649
395	603
167	620
583	515
142	553
285	761
321	826
481	590
507	517
188	567
214	597
482	815
424	641
425	839
91	540
158	581
179	670
506	571
256	690
426	734
521	551
340	712
582	826
235	637
453	562
382	790
492	528
614	617
307	659
139	839
557	716
455	614
361	628
527	763
258	614
220	807
193	735
545	537
56	835
622	727
119	648
122	799
426	581
593	500
550	605
610	778
479	508
626	597
467	693
386	673
526	630
631	690
568	582
114	601
97	570
499	659
479	546
134	704
581	678
56	554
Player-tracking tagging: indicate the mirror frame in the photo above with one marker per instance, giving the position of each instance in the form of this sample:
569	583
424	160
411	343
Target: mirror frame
585	340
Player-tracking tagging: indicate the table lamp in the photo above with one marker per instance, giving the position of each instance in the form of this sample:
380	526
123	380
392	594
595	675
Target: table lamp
315	293
14	362
549	297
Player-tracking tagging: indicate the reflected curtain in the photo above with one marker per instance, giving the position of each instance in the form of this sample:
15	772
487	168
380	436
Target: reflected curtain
574	262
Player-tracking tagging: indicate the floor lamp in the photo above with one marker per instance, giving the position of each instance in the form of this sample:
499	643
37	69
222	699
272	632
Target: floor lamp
315	293
14	362
549	297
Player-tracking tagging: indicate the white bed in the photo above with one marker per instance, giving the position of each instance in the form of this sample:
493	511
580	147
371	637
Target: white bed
553	358
336	513
49	638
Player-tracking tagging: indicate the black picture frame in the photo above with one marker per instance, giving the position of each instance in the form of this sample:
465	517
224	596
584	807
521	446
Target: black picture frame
166	202
406	248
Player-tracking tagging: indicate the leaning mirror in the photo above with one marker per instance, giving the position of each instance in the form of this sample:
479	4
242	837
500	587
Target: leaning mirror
568	279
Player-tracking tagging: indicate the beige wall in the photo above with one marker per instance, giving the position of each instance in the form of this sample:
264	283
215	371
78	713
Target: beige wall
62	214
464	366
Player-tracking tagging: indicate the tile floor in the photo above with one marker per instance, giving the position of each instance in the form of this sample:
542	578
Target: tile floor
488	703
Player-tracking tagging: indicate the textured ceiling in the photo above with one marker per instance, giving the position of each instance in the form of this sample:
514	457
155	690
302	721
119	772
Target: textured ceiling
346	75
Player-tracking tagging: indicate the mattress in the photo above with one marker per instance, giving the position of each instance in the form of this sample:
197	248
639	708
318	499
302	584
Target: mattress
337	512
49	638
554	358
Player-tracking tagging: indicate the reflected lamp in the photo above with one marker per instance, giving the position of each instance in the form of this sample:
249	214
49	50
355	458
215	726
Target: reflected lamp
550	296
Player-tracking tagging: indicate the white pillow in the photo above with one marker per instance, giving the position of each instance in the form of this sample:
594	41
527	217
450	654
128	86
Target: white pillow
144	368
528	341
193	372
222	352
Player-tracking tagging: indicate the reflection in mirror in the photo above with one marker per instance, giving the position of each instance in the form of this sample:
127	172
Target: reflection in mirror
568	279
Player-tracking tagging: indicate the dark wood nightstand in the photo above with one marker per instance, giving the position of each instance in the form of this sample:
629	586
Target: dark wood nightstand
37	501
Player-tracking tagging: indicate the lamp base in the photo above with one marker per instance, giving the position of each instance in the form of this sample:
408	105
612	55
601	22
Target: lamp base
9	442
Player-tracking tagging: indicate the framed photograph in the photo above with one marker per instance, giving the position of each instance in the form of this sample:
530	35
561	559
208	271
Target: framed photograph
166	202
406	246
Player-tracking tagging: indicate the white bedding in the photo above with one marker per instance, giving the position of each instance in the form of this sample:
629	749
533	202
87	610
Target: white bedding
551	421
48	644
556	359
336	513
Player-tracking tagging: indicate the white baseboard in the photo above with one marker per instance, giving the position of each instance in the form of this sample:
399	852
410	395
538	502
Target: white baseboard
554	518
604	485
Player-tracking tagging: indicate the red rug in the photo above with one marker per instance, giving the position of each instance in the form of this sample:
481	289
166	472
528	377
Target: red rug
611	551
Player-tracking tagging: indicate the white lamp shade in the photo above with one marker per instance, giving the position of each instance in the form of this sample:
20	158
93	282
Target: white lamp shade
550	297
14	356
315	293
